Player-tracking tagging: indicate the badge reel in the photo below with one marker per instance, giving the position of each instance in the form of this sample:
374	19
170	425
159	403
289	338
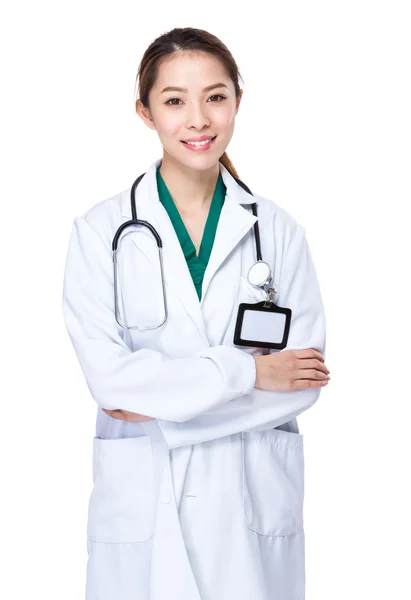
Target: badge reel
264	324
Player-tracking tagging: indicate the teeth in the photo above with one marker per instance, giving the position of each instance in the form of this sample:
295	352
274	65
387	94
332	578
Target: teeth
199	143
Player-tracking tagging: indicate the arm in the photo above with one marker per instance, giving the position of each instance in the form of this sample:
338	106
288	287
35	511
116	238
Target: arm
299	291
145	382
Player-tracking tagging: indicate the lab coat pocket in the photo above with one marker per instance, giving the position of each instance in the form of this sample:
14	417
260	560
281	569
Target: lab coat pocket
273	482
122	501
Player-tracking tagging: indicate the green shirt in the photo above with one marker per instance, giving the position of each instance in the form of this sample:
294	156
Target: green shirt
196	264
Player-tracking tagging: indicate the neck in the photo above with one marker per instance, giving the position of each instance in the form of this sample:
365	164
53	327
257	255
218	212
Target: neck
191	190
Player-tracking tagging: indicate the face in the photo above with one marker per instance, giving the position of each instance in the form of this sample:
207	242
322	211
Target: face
192	111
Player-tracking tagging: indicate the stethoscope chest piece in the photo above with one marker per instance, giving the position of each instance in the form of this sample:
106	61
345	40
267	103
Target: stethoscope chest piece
259	274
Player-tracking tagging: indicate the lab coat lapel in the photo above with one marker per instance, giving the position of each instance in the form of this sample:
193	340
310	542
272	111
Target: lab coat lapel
234	222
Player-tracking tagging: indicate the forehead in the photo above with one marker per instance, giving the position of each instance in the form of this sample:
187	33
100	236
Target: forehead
191	70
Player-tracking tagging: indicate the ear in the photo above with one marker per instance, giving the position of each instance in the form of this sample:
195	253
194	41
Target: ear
239	101
144	114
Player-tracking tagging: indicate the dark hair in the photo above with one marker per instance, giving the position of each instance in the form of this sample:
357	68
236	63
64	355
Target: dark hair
176	40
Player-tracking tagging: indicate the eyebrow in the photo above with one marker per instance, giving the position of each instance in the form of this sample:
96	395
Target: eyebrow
172	88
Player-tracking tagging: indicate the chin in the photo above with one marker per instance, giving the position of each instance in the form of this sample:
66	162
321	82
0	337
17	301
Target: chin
199	162
203	165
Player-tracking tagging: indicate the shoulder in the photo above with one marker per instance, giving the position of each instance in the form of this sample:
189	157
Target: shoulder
104	216
276	218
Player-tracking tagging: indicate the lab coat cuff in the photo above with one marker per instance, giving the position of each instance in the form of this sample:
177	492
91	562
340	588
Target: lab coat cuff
249	373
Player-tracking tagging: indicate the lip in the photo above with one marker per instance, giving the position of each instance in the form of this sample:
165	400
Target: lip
199	139
200	148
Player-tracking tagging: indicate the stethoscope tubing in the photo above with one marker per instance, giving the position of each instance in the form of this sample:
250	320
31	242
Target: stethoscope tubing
135	221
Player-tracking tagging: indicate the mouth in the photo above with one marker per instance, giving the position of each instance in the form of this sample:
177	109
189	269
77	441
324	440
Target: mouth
198	146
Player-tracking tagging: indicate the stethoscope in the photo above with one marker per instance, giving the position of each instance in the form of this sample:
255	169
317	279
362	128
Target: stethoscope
259	274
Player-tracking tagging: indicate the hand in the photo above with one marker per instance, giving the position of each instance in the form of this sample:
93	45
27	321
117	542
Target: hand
126	415
291	370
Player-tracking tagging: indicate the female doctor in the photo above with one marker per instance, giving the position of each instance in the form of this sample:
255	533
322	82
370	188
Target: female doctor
198	464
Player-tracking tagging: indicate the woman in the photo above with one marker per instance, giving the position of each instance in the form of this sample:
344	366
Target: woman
198	462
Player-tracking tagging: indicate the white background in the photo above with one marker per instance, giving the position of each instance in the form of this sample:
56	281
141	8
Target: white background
323	130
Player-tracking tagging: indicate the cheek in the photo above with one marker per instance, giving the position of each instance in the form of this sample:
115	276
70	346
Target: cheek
224	121
168	124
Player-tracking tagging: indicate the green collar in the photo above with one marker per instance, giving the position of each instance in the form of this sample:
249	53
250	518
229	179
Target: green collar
180	229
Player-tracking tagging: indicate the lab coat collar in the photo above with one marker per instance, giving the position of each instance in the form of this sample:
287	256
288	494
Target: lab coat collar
234	222
234	191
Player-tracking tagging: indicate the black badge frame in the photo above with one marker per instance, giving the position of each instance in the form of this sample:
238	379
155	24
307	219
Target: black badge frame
264	306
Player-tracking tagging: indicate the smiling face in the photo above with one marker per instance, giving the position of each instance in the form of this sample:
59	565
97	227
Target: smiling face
192	111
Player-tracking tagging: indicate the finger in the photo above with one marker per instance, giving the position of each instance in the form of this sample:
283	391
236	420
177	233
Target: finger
313	363
309	353
141	418
116	414
126	415
108	411
135	417
302	384
311	374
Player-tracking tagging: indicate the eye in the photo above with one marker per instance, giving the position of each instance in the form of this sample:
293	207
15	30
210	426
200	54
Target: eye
171	103
218	96
168	101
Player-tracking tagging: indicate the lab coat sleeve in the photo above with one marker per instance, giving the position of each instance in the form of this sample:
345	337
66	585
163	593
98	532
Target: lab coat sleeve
145	381
260	409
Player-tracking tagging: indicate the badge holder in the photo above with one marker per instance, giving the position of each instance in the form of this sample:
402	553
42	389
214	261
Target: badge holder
263	325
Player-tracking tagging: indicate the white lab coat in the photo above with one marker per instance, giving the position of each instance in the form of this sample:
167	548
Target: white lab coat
205	502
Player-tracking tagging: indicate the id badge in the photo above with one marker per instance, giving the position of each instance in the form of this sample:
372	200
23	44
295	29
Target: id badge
263	325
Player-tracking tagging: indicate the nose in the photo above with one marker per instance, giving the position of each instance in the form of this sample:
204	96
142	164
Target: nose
197	117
